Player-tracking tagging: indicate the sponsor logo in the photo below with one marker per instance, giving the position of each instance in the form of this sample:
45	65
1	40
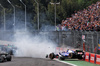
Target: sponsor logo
98	59
92	58
87	57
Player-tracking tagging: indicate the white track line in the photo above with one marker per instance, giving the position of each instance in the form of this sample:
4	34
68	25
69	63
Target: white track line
65	62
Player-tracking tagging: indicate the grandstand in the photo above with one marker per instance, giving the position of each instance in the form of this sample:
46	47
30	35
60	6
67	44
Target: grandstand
83	20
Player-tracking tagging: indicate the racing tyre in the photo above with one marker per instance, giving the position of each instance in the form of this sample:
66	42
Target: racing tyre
70	55
80	56
8	57
2	59
51	56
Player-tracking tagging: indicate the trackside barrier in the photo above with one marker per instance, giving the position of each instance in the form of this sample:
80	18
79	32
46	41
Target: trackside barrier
92	58
98	59
87	56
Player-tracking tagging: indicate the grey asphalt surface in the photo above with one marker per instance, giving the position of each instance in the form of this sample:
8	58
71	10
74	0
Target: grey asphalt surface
22	61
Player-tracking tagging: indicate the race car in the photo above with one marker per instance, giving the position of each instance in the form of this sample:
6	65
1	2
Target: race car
68	54
4	56
10	49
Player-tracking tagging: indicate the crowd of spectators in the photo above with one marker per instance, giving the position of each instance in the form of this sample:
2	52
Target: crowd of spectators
87	19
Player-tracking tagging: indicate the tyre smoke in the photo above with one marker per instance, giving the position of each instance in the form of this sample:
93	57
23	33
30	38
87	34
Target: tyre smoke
33	46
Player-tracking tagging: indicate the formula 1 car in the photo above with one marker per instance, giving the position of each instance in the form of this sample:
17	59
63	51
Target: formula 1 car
4	56
69	54
10	49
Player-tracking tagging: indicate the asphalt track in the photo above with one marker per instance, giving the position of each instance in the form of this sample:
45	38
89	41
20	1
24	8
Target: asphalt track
26	61
22	61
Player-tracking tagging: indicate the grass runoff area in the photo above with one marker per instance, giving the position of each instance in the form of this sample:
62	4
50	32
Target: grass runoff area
80	62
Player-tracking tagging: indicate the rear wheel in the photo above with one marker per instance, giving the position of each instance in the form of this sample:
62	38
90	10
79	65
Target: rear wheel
8	57
79	56
70	55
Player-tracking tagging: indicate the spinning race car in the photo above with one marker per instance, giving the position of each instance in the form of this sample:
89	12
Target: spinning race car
68	54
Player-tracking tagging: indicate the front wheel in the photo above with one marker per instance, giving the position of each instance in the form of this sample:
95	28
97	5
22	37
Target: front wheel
51	56
2	59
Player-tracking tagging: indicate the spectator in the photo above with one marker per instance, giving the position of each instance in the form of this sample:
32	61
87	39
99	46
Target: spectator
88	19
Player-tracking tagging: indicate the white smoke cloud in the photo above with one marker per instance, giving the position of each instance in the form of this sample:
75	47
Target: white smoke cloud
33	46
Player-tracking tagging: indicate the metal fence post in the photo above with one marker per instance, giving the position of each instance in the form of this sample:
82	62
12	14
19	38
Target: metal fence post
92	43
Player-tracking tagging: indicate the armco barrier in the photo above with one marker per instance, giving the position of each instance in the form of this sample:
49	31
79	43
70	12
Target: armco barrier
98	59
87	56
92	58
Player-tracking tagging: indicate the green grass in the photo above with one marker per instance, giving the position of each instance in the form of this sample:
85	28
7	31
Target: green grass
80	63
